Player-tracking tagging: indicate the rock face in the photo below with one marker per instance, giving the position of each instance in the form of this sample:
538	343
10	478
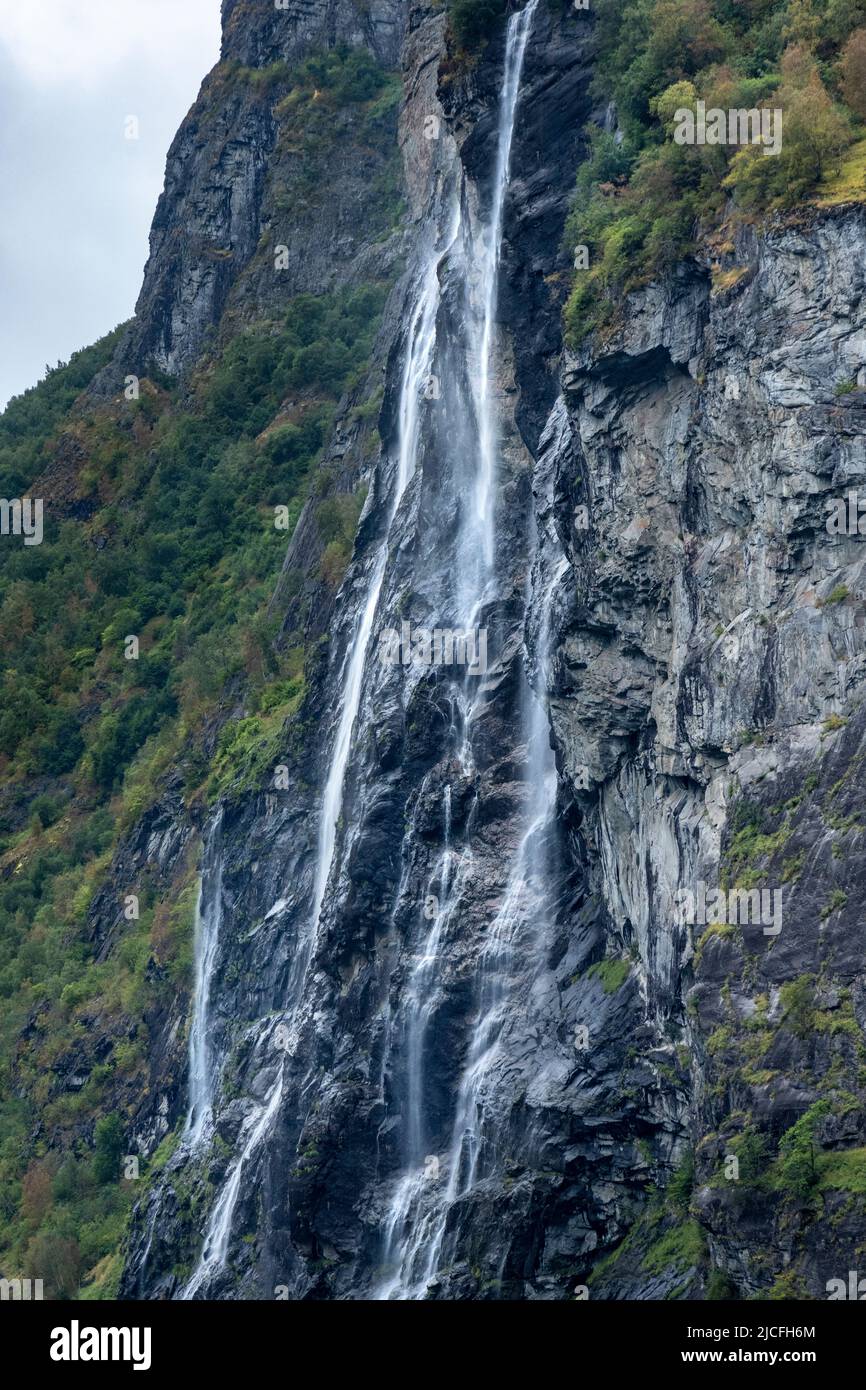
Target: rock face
469	1073
258	34
243	177
709	716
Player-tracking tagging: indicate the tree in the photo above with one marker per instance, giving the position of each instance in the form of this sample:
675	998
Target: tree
752	1154
57	1261
473	21
798	1150
814	135
36	1195
679	96
852	71
802	25
109	1147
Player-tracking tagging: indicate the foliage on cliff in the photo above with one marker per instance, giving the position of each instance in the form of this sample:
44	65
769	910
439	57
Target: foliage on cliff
474	21
641	197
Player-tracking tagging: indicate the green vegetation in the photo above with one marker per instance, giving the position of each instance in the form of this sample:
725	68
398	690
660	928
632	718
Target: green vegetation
29	419
679	1190
175	515
645	203
719	1287
612	973
843	1171
797	1168
835	903
330	104
752	1152
663	1237
753	843
473	22
836	595
833	723
788	1285
797	1001
681	1248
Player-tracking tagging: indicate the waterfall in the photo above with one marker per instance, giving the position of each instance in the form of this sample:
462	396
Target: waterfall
420	346
416	1220
480	536
208	920
216	1243
420	1000
419	356
526	901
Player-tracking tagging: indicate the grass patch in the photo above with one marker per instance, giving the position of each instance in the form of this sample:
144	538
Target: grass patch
844	1171
681	1248
612	973
847	184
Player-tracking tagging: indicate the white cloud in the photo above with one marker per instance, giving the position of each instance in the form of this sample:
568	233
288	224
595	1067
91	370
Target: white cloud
78	197
82	41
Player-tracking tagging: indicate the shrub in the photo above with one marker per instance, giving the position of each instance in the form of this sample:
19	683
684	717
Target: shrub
679	1190
612	973
797	1000
109	1137
641	201
814	136
55	1259
473	22
852	72
799	1150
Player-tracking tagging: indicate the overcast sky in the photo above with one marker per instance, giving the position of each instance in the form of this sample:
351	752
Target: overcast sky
77	196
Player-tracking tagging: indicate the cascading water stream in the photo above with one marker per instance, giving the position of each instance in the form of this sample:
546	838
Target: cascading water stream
480	536
208	920
415	1220
525	911
416	372
420	1002
419	1215
421	340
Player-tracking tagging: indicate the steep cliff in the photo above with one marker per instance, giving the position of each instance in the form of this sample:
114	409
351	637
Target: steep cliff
709	716
458	1024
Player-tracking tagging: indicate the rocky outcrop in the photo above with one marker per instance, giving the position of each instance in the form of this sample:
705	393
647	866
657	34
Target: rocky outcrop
252	170
261	32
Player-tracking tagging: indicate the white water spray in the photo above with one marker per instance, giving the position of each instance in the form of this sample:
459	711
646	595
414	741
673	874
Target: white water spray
524	910
215	1249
